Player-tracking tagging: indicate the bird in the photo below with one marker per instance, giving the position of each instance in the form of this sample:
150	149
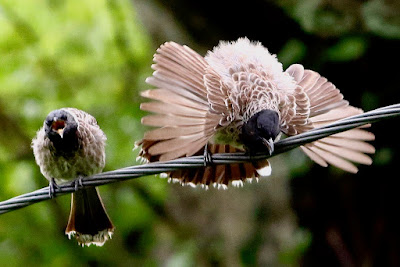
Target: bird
238	98
71	145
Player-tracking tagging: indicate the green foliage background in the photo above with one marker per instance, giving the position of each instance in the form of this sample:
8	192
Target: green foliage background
95	55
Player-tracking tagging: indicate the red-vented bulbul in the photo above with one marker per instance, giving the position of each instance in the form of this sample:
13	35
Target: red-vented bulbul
238	97
71	145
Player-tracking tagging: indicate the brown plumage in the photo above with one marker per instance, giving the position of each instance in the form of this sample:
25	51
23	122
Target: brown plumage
239	98
71	145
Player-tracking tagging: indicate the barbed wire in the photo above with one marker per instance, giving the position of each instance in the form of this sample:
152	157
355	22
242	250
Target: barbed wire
137	171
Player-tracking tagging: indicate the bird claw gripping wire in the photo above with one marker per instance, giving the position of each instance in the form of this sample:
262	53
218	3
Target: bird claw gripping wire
208	161
52	188
77	183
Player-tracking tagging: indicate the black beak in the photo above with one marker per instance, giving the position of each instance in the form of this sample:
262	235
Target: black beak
269	144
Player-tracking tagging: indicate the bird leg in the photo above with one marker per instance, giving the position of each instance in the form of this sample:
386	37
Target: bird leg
77	183
207	156
52	188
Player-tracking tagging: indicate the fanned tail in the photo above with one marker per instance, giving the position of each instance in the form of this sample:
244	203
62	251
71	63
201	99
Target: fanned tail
88	220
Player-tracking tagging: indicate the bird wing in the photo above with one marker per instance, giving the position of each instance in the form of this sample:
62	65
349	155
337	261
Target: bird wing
181	105
322	105
191	104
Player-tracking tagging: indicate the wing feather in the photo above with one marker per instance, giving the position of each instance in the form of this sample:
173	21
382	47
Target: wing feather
345	153
166	120
180	107
350	143
357	134
326	105
314	156
167	96
173	144
172	132
183	150
334	160
166	108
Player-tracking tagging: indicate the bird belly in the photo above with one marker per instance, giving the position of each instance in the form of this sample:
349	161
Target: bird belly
63	169
228	135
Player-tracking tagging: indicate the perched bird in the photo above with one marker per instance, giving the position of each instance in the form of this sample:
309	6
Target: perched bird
71	145
238	98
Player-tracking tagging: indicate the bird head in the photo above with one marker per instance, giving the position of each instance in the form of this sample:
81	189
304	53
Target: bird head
260	131
61	128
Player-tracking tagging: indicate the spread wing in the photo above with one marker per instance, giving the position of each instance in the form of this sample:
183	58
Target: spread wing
325	104
180	105
190	104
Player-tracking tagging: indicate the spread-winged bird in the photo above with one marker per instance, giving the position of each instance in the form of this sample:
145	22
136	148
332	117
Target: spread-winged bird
71	145
239	98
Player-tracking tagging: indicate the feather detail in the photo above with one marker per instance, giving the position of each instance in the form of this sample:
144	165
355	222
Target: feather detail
315	157
166	108
167	120
167	132
217	95
199	101
180	106
345	153
221	176
349	143
172	144
357	134
184	151
333	159
296	71
326	105
169	97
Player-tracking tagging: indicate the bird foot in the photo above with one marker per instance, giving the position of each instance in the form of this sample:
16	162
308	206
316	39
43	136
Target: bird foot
207	156
77	183
52	188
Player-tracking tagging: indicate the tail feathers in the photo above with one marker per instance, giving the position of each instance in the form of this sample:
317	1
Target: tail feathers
220	176
88	220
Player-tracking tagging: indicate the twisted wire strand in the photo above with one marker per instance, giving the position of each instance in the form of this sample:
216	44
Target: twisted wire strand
137	171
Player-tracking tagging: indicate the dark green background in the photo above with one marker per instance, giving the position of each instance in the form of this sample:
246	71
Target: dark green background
96	54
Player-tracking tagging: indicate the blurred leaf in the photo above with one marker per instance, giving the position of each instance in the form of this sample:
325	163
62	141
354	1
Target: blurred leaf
349	48
323	17
370	100
185	257
53	54
383	156
293	51
95	55
382	17
301	242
